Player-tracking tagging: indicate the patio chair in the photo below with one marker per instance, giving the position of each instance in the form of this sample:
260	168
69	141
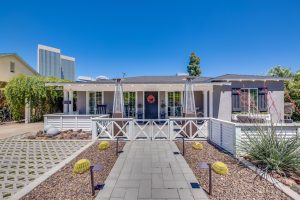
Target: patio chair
101	109
289	109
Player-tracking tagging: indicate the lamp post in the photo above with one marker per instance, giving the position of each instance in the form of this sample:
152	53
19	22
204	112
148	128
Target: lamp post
204	165
94	187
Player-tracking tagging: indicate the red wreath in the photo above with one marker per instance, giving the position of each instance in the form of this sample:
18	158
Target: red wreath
151	99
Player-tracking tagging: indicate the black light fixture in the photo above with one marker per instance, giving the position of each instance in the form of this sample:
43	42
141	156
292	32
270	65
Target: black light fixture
204	165
93	168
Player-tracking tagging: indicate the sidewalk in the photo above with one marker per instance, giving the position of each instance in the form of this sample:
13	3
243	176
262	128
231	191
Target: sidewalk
9	130
150	170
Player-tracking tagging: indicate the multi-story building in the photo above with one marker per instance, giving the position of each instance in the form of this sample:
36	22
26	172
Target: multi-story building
52	63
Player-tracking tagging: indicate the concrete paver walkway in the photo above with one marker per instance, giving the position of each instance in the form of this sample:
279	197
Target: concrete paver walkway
150	170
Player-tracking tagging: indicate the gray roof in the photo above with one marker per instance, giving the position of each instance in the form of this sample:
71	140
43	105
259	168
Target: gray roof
152	80
181	79
239	77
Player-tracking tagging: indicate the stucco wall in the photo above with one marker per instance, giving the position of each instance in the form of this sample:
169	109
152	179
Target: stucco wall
222	98
81	102
109	101
198	95
20	68
222	102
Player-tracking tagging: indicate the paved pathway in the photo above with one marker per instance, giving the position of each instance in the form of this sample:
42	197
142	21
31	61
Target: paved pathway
9	130
150	170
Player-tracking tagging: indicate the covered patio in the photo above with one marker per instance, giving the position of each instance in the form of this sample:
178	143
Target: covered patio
141	100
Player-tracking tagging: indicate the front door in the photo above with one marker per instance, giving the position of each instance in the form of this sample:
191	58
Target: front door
151	105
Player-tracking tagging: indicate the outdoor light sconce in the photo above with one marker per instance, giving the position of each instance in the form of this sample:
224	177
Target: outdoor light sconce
98	168
204	165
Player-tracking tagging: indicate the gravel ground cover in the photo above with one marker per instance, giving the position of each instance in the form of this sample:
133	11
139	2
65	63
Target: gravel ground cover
64	184
62	135
240	183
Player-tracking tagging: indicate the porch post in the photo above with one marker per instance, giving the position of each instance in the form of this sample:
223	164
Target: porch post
205	103
211	102
65	99
71	100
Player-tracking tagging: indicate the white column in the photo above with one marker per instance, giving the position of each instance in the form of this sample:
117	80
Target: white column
211	103
87	99
167	104
158	104
71	100
64	102
205	103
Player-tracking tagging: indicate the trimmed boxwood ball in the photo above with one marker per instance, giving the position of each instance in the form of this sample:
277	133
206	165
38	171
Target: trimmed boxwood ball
81	166
197	145
220	168
103	145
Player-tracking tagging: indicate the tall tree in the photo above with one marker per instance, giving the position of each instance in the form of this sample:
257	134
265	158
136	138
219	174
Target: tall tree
280	72
193	68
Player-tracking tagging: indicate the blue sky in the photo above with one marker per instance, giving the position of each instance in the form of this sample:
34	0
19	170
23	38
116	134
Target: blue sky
156	37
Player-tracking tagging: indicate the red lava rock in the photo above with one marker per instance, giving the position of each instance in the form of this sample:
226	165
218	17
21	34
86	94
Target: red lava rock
296	178
287	181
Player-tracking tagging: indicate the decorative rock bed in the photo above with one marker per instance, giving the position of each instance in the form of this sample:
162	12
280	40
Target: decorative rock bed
65	184
61	135
240	183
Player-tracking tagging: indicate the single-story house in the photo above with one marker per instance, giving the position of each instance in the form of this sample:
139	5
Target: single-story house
154	97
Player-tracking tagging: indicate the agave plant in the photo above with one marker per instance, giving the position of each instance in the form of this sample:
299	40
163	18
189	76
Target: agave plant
273	151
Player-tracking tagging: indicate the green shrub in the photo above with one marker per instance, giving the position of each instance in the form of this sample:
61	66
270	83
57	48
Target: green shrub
272	152
31	89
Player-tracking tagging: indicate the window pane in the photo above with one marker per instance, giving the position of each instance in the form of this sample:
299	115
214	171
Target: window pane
244	100
236	103
98	98
92	102
129	104
177	104
253	100
171	110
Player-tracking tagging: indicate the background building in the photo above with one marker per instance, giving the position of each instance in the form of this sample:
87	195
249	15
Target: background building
12	65
52	63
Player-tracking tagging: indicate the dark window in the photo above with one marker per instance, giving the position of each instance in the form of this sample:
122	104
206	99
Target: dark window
262	99
236	102
12	67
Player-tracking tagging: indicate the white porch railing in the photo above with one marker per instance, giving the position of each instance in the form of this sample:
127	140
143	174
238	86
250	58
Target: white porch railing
151	129
64	122
227	135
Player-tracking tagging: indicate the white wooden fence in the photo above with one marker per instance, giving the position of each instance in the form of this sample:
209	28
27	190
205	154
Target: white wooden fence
227	135
157	129
75	122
